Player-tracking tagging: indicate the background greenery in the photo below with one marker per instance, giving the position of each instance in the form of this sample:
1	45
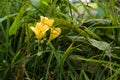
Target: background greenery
87	49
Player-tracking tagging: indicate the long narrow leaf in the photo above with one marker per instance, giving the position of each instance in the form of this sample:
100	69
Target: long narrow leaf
17	22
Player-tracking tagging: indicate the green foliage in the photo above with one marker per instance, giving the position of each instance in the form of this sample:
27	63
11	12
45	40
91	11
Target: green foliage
101	45
17	22
87	49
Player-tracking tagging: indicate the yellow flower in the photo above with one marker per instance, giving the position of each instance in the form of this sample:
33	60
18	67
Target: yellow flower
47	21
55	32
42	27
40	30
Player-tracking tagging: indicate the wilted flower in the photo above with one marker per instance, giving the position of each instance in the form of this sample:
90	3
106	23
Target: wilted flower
55	32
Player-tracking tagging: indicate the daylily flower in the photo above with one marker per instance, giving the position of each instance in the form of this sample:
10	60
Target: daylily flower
55	32
46	21
43	26
40	30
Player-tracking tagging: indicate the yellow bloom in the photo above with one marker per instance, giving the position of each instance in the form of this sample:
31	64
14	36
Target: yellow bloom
42	27
55	32
47	21
40	30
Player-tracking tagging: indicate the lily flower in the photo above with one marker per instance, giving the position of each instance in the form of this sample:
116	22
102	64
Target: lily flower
40	29
46	21
43	26
55	32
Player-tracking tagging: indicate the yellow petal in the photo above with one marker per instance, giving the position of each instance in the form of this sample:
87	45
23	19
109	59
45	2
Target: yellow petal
33	29
40	30
47	21
40	36
55	32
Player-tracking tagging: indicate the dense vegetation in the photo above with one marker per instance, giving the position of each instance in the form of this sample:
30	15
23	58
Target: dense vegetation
81	41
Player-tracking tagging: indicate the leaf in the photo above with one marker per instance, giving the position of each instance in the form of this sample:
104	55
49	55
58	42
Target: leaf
85	75
17	22
76	38
4	18
36	3
40	3
91	33
45	3
101	45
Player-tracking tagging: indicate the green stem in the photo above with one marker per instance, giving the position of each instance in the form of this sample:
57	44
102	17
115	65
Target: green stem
36	58
8	24
49	60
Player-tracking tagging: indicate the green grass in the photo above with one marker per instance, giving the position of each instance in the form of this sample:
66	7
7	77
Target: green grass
87	49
